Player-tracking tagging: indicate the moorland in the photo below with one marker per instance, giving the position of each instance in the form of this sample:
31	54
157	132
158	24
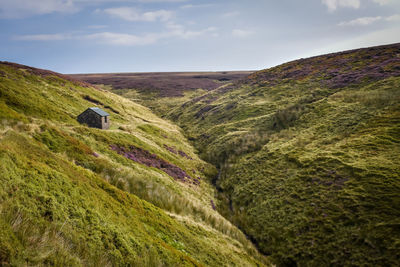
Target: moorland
295	165
307	154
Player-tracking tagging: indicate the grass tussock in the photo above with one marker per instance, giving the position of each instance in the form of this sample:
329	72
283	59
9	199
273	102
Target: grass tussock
68	199
308	156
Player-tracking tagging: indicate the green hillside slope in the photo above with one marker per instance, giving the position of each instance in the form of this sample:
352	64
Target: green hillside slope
70	195
308	155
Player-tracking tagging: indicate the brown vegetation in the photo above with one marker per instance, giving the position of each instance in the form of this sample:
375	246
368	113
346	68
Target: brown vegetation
151	160
45	73
168	84
336	70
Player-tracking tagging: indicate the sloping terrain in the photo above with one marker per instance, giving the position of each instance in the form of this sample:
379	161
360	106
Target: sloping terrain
70	195
164	84
153	88
308	156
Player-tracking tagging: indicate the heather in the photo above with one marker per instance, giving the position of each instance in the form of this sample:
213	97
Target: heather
68	197
307	155
301	159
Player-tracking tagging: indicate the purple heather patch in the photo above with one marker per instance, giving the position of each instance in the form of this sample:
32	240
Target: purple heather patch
151	160
213	205
183	154
336	70
170	149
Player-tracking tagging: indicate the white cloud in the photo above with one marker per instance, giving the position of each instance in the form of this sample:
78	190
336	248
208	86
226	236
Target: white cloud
132	14
238	33
130	1
24	8
44	37
394	18
382	2
230	14
189	6
122	39
335	4
161	1
180	31
364	21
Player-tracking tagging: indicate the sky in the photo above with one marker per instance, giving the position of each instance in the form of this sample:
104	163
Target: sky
94	36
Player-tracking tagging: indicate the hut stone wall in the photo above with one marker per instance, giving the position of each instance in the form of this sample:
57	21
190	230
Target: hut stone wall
105	122
92	119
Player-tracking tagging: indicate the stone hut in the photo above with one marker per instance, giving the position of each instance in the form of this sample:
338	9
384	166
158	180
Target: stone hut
95	117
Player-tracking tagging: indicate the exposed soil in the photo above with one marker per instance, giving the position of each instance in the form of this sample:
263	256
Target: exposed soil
91	99
151	160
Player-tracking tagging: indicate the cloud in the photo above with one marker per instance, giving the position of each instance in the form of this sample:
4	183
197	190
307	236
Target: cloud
238	33
44	37
120	39
364	21
130	1
230	14
25	8
382	2
124	39
393	18
132	14
335	4
161	1
191	6
181	32
11	9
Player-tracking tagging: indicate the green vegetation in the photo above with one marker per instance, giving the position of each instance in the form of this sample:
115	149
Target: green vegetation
66	198
308	156
306	159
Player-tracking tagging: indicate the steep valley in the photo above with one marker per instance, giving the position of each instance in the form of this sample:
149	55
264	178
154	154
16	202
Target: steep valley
296	165
136	194
307	155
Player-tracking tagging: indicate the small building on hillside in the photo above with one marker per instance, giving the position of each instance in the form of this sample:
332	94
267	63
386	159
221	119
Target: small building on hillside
95	117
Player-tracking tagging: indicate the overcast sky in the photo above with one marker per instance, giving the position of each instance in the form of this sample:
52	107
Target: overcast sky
82	36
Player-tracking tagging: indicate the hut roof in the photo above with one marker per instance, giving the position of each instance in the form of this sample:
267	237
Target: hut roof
100	111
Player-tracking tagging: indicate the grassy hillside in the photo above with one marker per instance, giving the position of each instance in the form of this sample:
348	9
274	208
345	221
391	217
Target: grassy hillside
163	84
153	88
70	195
308	155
